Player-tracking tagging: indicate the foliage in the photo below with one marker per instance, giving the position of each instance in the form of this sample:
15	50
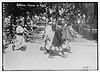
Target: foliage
85	13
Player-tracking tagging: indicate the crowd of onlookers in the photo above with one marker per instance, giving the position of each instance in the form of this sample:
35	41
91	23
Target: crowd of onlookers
10	23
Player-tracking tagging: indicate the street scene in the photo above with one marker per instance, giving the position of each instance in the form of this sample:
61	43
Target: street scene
49	36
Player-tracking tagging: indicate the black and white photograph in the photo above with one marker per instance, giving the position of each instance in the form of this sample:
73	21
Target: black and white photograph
50	36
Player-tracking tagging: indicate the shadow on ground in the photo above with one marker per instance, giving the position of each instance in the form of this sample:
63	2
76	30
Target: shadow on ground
57	53
91	37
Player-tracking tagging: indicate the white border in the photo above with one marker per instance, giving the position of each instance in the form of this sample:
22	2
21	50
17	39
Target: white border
49	0
45	1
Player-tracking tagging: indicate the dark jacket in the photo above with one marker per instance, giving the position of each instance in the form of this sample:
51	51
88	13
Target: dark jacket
57	40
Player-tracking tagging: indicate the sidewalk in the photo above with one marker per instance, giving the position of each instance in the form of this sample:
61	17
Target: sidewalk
84	54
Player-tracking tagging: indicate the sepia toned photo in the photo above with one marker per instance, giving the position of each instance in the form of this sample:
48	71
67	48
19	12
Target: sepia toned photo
49	36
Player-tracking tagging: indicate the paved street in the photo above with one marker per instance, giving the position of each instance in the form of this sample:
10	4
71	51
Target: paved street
83	56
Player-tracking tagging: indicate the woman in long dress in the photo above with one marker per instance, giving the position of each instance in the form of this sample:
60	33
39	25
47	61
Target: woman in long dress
68	36
66	33
47	36
58	40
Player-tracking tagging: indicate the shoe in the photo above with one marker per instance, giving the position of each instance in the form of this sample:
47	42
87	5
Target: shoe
16	49
45	52
23	48
51	56
69	52
64	56
41	49
65	50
